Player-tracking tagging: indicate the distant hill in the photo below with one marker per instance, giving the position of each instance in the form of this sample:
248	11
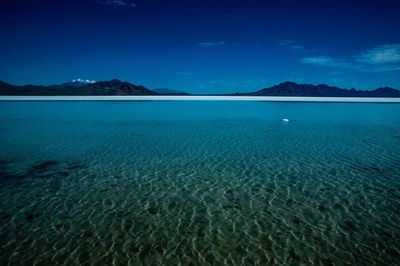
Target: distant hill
164	91
118	87
77	87
293	89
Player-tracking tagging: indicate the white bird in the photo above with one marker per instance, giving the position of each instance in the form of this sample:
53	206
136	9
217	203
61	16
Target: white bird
285	120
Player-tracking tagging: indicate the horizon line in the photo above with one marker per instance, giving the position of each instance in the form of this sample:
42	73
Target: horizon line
205	98
234	92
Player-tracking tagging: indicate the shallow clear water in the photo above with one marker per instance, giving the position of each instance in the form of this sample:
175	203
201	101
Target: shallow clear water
199	183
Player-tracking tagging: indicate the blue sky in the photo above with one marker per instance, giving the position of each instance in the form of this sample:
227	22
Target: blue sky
202	46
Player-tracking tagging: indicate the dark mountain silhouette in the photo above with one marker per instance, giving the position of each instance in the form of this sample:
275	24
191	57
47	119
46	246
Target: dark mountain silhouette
293	89
117	87
112	87
5	85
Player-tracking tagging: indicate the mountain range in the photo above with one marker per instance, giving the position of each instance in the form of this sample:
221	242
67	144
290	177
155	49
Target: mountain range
118	87
308	90
77	87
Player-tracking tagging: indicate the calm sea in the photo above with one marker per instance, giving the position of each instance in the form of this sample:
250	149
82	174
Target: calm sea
199	183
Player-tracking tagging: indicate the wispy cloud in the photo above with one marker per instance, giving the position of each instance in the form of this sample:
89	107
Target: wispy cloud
210	44
118	3
295	47
286	42
383	54
324	61
382	58
289	44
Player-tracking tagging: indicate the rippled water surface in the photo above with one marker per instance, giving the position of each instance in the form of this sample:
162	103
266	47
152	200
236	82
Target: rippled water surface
199	183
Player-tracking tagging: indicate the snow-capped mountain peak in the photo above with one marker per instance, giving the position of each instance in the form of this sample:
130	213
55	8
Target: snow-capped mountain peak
86	81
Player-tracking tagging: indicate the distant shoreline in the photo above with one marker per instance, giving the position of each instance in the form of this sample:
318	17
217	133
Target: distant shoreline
203	98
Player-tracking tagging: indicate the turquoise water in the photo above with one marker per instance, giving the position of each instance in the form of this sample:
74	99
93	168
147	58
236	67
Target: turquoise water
199	183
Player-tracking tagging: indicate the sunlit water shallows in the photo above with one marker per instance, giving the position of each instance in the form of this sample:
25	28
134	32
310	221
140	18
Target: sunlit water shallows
199	183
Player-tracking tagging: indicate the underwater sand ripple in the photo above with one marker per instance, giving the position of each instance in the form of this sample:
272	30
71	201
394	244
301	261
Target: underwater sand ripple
220	194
